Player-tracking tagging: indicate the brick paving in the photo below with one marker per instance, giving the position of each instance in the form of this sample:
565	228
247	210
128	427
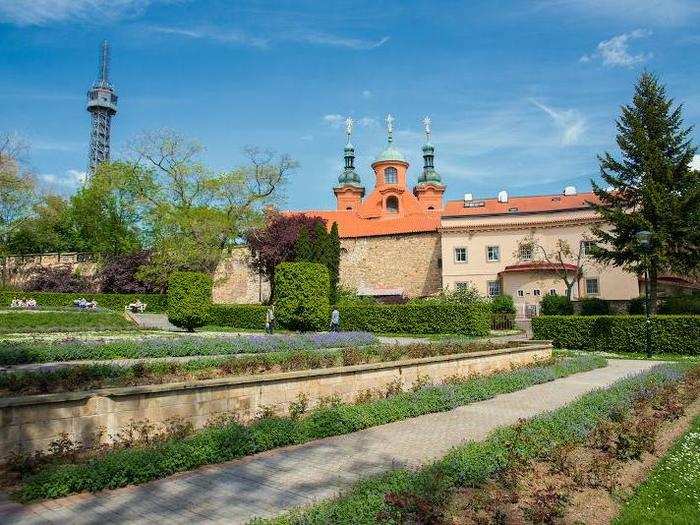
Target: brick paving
268	483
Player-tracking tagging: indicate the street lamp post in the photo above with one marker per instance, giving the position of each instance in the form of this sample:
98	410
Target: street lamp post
644	240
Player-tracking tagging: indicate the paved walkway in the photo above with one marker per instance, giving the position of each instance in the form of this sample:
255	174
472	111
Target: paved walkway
268	483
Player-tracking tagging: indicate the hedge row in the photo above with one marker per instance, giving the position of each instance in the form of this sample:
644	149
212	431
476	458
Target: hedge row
70	321
215	445
472	464
469	319
248	316
679	334
112	301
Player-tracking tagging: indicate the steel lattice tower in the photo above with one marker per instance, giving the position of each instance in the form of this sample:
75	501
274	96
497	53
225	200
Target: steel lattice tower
102	105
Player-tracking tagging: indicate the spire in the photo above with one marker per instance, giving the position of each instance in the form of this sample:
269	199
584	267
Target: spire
429	175
390	128
349	176
103	74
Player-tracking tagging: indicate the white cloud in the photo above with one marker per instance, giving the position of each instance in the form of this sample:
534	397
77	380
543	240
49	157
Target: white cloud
570	122
234	36
695	163
334	120
337	121
43	12
67	182
76	176
224	36
615	51
647	12
366	94
367	122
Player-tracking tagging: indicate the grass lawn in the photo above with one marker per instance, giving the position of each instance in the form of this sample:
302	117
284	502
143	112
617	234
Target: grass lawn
671	493
68	321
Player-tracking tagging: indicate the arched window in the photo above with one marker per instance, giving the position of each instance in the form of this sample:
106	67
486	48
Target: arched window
390	175
392	204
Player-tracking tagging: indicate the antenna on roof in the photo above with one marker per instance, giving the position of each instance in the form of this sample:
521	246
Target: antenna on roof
104	63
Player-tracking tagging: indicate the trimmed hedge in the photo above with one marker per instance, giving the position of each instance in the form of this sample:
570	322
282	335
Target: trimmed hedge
679	334
189	299
595	306
215	445
301	295
157	303
416	318
556	305
70	321
681	304
250	316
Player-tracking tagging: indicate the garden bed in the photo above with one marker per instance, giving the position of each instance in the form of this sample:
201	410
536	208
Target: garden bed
500	480
147	451
72	349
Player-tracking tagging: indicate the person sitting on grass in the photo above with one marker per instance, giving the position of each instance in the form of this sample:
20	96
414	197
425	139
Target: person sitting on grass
335	320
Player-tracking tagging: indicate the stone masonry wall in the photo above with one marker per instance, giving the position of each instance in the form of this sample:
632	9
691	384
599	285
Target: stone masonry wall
31	423
408	261
235	282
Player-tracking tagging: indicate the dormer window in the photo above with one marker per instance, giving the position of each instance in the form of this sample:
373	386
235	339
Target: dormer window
390	175
392	204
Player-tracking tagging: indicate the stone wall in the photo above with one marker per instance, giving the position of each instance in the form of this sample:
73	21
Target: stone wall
235	282
31	423
407	261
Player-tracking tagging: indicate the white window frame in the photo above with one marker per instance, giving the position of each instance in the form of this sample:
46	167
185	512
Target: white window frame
461	285
586	247
394	175
521	293
488	288
466	255
488	253
597	286
523	250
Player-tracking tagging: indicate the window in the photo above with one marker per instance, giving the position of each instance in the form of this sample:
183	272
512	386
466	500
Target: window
493	253
552	292
494	288
460	255
536	292
461	286
586	247
592	286
525	253
521	293
392	204
390	175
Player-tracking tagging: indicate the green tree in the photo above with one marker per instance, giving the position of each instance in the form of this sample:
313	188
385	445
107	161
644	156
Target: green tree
320	244
303	250
651	188
333	261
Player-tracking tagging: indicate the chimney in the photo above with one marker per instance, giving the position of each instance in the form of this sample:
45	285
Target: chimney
503	196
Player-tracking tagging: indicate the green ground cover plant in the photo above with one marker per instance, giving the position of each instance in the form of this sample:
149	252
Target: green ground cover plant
92	376
218	443
678	334
113	301
105	348
671	493
66	321
414	496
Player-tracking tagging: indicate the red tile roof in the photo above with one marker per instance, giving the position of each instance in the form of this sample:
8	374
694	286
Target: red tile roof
538	266
515	205
351	225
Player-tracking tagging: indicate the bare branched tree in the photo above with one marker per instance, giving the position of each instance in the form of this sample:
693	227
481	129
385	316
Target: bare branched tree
17	186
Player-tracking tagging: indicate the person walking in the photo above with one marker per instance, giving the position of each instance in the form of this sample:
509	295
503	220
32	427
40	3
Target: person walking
335	320
270	319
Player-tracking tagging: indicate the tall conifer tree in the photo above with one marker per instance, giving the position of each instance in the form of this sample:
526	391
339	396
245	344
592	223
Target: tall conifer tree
333	260
651	188
303	251
320	244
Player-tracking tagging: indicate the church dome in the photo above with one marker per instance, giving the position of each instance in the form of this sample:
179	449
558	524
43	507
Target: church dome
390	153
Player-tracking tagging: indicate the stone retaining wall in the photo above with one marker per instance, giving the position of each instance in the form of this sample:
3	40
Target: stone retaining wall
30	423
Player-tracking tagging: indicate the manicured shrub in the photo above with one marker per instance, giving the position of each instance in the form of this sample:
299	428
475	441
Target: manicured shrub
594	306
248	316
503	304
681	304
189	299
301	296
111	301
556	305
621	333
426	317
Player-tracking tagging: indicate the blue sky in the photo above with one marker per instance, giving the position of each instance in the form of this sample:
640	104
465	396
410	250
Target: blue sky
522	95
